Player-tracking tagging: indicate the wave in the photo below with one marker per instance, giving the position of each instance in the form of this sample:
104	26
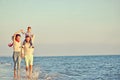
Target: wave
7	64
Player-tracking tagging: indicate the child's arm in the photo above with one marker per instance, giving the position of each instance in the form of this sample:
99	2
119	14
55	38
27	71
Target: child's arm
23	32
33	37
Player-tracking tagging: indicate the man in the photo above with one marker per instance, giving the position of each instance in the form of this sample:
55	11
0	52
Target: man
29	33
28	54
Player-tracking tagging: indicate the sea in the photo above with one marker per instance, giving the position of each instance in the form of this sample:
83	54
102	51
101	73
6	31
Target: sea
105	67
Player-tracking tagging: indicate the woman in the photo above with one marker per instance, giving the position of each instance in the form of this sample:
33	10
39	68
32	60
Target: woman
17	53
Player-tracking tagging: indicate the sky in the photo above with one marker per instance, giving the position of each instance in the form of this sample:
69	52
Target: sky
63	27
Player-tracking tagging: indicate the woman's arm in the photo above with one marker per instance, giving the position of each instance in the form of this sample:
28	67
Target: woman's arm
18	32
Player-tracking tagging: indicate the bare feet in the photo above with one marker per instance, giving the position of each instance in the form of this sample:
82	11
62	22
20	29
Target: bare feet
15	77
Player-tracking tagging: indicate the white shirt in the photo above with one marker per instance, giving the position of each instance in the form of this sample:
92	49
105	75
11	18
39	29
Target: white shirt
29	34
32	36
27	49
17	46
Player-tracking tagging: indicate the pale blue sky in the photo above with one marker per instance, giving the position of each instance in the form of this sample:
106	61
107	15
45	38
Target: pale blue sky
63	27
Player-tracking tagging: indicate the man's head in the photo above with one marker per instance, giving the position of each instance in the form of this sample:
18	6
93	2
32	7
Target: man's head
17	37
29	29
27	38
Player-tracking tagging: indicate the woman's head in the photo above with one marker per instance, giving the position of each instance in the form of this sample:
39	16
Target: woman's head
17	37
27	39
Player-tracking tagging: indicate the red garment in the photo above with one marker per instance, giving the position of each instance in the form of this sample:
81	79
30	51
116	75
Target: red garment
10	44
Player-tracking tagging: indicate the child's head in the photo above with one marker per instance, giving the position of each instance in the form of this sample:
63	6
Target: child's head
29	29
27	39
17	37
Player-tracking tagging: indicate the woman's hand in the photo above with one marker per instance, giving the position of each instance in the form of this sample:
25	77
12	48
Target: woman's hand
22	56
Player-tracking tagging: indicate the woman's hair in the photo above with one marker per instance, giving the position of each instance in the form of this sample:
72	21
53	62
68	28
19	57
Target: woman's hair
18	35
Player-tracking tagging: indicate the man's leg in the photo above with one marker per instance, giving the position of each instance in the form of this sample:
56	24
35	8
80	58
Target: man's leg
31	65
27	68
27	71
30	70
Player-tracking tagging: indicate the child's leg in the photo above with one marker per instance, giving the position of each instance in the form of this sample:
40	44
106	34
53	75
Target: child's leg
31	43
23	43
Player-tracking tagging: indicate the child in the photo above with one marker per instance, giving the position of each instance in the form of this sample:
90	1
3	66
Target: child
28	52
28	33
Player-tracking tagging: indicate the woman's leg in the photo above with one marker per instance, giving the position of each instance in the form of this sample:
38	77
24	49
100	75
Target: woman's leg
18	65
15	64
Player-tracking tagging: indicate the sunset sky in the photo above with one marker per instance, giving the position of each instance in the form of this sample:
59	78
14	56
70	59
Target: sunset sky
63	27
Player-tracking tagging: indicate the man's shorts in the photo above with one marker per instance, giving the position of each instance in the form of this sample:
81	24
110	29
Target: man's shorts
28	60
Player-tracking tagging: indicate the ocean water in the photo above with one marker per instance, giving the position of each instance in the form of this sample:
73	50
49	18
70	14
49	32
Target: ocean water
67	68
